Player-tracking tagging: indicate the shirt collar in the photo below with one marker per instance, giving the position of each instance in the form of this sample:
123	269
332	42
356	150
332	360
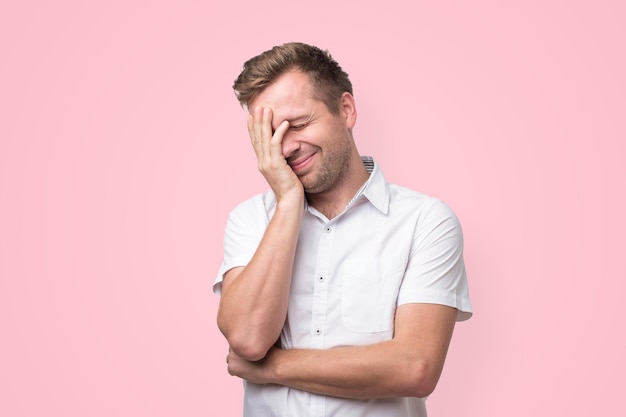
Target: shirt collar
375	189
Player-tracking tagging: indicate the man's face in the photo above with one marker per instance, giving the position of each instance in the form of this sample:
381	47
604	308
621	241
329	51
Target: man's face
318	144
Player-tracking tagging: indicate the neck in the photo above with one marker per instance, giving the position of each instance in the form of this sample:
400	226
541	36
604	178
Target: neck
332	202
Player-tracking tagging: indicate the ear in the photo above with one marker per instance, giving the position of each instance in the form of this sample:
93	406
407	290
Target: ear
347	109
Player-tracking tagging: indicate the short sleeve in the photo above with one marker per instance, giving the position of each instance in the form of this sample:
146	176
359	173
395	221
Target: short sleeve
435	271
243	232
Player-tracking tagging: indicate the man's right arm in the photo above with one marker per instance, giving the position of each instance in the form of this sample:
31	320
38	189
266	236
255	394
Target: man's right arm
253	304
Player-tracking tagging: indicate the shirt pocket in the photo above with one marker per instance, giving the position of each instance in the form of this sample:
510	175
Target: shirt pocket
369	293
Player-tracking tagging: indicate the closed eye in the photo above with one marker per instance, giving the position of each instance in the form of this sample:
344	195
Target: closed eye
298	126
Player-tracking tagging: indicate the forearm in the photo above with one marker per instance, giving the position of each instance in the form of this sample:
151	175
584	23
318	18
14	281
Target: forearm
254	301
409	365
381	370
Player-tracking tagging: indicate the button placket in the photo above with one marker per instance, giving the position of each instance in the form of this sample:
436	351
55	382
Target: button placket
320	287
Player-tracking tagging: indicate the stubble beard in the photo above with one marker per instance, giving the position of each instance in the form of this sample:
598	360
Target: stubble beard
333	170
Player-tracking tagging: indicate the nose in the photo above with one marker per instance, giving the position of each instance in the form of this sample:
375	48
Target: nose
290	144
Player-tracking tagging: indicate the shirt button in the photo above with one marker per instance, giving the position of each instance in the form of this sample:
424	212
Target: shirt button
329	229
317	332
321	279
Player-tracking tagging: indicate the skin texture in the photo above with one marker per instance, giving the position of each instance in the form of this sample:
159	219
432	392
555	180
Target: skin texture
305	151
409	365
318	146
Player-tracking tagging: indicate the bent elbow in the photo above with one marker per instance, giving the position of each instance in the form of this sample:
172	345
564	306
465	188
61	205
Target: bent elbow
423	380
247	346
424	389
249	351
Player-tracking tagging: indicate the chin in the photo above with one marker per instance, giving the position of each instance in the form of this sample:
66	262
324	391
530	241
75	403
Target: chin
309	186
311	189
315	189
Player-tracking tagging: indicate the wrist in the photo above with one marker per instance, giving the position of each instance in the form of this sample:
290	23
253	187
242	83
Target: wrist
291	202
273	368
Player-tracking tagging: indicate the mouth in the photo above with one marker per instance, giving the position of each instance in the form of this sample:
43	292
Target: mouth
301	163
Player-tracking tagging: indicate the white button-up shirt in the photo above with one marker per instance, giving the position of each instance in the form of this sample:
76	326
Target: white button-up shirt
390	246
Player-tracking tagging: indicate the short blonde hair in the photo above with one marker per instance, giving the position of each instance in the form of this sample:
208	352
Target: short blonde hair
326	76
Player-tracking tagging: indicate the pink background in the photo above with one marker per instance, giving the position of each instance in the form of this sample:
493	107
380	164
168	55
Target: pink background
122	149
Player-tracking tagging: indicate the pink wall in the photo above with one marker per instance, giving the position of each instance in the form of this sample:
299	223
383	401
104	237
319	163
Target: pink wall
122	149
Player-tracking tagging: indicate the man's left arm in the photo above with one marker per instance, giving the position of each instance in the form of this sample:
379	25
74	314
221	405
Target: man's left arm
408	365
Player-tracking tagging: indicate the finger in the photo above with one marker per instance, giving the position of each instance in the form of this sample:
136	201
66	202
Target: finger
251	128
266	127
277	139
266	131
254	130
257	123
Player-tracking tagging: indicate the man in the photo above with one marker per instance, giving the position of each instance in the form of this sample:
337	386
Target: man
339	291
